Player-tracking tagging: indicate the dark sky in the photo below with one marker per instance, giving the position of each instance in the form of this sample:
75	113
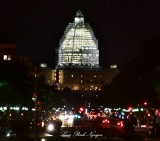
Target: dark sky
120	26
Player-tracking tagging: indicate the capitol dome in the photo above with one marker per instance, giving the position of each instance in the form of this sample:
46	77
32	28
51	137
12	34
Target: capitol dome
78	46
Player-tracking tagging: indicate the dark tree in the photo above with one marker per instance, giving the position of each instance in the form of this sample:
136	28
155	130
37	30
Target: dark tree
138	80
18	89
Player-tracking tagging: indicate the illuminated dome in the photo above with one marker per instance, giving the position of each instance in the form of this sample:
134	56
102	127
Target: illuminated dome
78	46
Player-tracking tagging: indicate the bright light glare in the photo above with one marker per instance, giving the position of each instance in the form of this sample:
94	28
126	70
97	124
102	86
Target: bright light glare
43	139
67	119
62	117
70	121
8	134
50	127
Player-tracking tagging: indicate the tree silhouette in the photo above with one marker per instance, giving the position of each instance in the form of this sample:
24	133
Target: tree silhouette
17	78
138	80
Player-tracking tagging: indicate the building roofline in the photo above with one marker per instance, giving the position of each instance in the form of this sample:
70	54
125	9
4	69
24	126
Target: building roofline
8	45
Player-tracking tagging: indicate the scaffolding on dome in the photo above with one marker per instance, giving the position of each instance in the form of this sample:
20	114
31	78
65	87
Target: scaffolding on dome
78	46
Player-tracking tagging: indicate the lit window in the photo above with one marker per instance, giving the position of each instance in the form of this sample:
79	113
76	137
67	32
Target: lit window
6	57
9	57
113	66
43	65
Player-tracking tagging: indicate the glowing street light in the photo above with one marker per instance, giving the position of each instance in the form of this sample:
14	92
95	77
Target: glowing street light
34	98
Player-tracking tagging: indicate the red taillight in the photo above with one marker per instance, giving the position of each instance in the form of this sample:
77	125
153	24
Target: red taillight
105	121
120	124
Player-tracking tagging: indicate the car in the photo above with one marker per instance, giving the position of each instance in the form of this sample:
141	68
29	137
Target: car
113	123
51	126
112	126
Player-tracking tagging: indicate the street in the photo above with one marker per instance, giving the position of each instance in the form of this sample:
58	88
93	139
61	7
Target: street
68	134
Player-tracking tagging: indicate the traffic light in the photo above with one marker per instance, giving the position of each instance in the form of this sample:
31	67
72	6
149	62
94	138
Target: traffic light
145	103
81	110
130	108
34	97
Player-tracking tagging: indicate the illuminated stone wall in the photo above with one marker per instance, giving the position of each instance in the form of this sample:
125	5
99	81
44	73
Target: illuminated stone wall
85	80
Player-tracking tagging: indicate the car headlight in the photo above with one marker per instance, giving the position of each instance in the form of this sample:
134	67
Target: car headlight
50	127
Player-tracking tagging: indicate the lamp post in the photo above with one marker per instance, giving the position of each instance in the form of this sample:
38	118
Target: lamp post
34	98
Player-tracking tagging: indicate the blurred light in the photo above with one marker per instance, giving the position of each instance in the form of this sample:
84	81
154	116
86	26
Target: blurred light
24	108
43	139
135	110
77	116
42	124
145	103
43	65
143	125
50	127
81	109
114	66
70	120
120	124
130	108
61	117
105	121
8	135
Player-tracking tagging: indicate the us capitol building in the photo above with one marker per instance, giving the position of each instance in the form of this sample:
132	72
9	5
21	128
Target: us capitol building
78	60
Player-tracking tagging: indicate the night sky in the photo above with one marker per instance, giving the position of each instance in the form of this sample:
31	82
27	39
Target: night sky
120	26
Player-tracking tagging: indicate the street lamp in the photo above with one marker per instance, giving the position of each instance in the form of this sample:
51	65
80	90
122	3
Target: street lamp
34	98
